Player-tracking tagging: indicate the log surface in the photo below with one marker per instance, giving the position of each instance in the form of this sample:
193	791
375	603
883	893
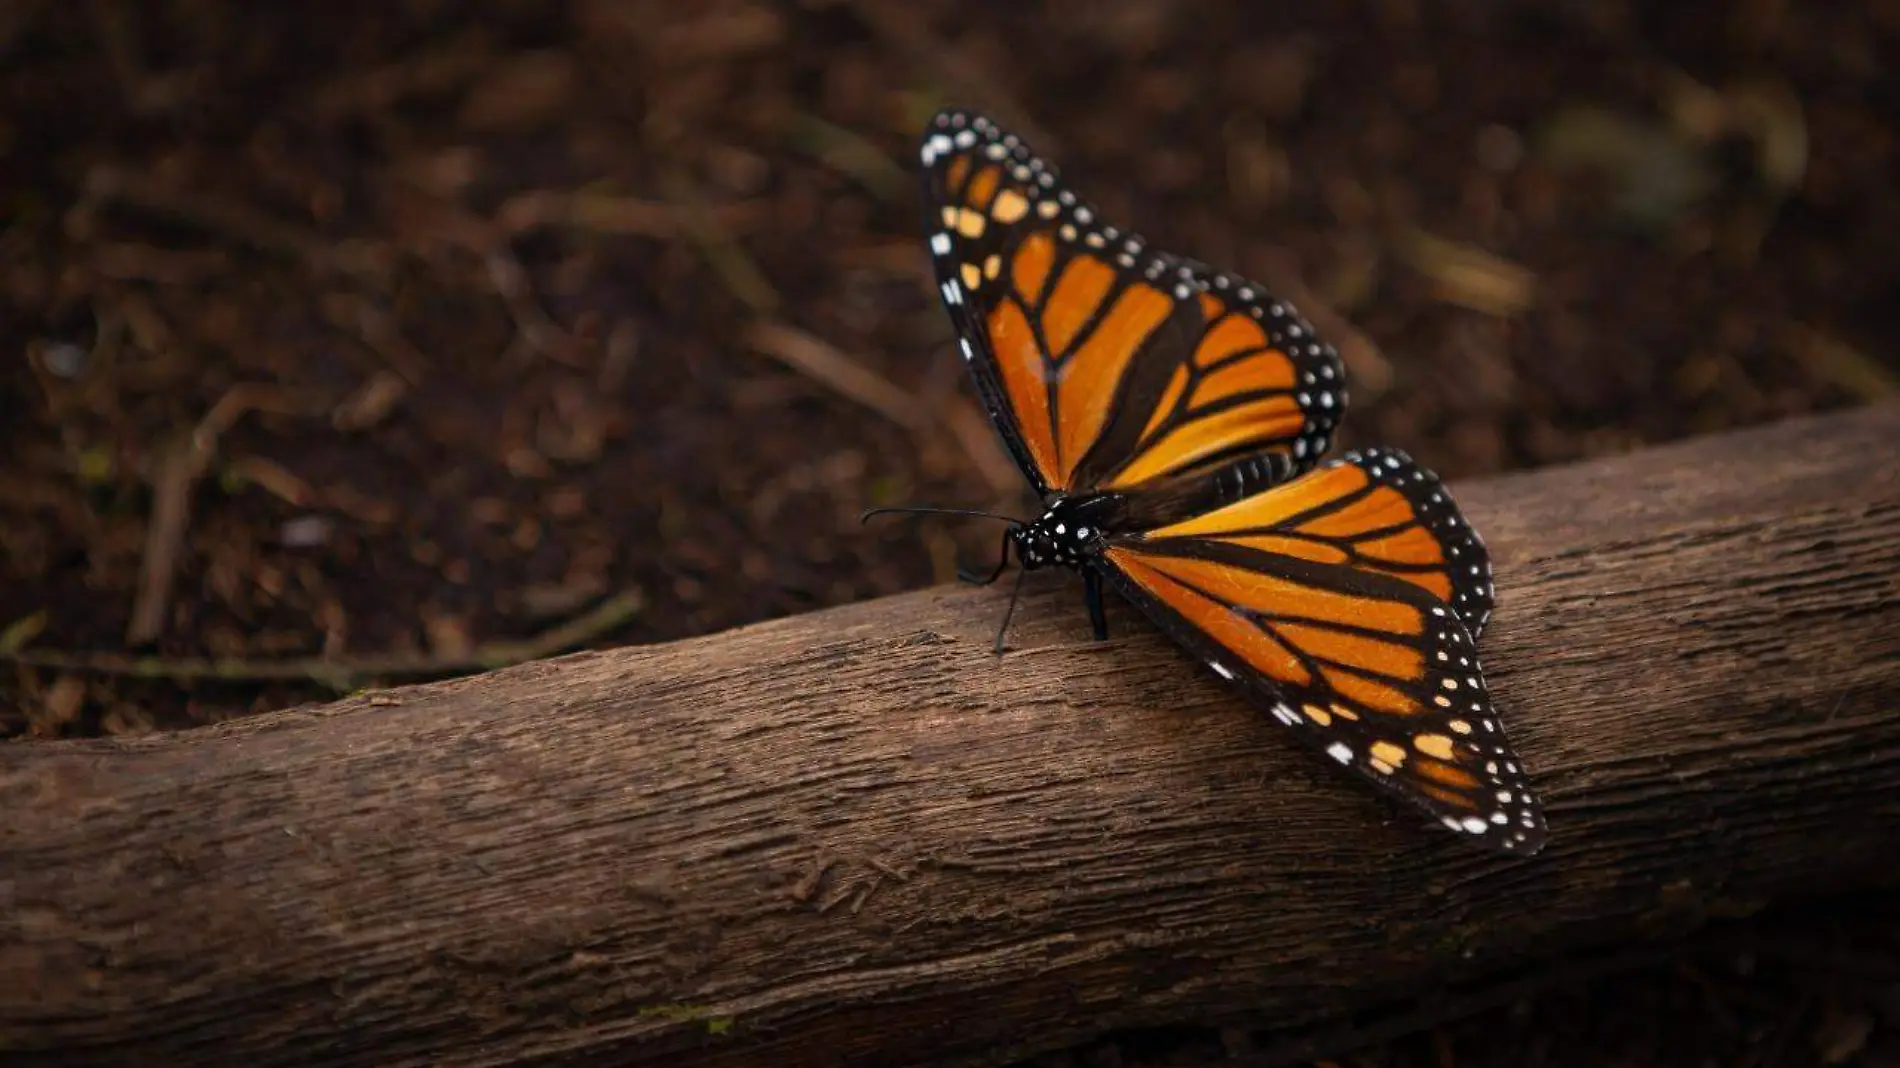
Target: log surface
855	837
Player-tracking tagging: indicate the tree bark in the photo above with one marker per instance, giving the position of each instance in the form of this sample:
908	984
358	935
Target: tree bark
856	837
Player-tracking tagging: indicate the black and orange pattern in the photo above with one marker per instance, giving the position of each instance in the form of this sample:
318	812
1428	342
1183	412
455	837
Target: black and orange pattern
1173	417
1111	362
1349	601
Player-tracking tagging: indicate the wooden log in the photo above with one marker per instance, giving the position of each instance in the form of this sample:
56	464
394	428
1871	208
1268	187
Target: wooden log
855	837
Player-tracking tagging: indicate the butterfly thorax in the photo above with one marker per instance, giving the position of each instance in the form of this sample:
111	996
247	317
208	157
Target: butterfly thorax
1068	532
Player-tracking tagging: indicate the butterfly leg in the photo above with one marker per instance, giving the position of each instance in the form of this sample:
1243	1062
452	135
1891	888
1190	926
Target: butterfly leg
1092	593
1003	630
1002	561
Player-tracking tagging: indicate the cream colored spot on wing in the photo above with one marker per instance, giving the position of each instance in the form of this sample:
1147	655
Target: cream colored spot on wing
969	223
992	266
1460	726
1317	715
972	278
1433	745
1008	206
1389	753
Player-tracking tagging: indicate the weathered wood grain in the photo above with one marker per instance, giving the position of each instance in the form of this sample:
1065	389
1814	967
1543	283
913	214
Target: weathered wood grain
855	837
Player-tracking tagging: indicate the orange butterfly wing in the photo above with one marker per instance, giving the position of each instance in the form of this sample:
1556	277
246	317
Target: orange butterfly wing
1349	601
1108	364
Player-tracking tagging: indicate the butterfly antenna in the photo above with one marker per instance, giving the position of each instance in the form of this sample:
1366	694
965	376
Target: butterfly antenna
921	509
1014	592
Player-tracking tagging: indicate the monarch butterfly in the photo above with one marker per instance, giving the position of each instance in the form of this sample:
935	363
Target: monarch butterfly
1172	417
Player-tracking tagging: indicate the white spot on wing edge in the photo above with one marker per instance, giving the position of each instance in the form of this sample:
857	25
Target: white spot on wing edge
940	243
1221	670
1340	751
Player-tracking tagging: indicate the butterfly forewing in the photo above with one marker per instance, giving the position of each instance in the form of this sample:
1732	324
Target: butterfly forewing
1342	599
1107	363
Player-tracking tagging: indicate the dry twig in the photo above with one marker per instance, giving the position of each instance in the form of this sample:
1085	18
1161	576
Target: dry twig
605	213
824	364
240	223
849	153
177	471
539	332
902	27
343	675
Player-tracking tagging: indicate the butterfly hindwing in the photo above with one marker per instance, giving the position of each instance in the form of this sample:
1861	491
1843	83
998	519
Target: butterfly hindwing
1347	601
1107	363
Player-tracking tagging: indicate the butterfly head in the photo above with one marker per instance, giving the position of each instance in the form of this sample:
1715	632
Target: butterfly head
1066	534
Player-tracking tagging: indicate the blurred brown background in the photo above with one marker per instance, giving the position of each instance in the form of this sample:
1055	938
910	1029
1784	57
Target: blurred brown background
379	339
